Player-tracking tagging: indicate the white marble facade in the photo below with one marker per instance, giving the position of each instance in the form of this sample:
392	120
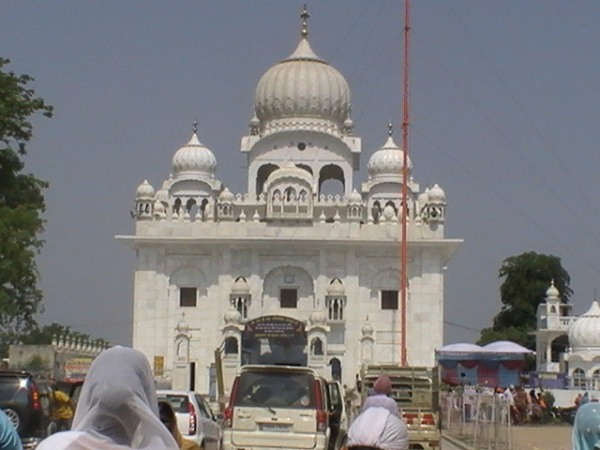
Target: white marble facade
209	260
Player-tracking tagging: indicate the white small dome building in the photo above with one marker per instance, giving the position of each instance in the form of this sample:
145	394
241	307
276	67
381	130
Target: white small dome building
144	191
583	358
584	332
285	271
303	86
194	158
388	161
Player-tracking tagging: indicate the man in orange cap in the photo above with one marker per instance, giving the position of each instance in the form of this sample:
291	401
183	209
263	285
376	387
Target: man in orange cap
381	396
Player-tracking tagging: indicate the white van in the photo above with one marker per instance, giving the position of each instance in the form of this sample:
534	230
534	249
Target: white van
283	407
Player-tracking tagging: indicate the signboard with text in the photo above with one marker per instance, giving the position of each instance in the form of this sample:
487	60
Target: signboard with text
275	327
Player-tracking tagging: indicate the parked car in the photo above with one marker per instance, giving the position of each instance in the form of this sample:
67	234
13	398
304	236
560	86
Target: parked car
284	406
195	419
20	400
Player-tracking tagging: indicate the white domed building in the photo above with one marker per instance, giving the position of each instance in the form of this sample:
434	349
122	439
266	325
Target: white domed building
288	271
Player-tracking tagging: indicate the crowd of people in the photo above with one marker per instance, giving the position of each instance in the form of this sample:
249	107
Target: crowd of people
525	407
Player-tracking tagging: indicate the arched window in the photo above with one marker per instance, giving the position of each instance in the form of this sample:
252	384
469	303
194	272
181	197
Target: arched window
578	378
231	346
557	346
336	369
191	208
290	195
177	206
331	180
596	379
376	211
305	167
391	203
261	176
316	347
336	308
203	207
241	304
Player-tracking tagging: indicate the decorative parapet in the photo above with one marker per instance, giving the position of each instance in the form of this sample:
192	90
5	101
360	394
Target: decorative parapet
67	343
324	208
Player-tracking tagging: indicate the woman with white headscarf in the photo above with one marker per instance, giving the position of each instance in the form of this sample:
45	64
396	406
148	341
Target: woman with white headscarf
117	408
377	428
586	427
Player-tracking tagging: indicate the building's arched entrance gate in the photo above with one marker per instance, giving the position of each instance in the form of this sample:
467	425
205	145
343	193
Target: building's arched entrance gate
274	340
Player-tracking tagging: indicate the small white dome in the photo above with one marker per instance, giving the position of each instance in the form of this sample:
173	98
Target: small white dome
144	190
437	194
336	288
232	315
355	197
584	332
303	86
240	287
226	195
552	293
387	161
318	317
194	158
424	197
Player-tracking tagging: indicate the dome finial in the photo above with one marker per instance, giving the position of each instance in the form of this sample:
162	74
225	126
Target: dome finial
195	127
304	15
390	129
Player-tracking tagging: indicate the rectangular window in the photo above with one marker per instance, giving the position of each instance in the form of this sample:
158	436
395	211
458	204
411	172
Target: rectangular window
187	296
389	299
288	298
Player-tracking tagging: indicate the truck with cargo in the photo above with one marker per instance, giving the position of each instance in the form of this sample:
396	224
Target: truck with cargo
416	391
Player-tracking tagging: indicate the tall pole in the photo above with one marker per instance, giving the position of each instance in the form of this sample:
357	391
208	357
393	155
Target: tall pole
405	123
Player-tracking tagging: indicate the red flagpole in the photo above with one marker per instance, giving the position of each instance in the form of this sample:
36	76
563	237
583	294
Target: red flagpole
405	124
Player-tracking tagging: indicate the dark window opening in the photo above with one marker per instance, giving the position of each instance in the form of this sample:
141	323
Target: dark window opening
389	299
261	176
231	346
289	298
187	296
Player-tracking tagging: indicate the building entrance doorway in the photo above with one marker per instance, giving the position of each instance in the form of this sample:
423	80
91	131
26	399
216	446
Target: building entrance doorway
274	340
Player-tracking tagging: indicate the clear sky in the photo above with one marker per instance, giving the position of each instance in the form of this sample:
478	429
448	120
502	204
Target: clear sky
504	110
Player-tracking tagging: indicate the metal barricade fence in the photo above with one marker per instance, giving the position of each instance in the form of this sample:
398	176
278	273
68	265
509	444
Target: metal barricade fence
480	419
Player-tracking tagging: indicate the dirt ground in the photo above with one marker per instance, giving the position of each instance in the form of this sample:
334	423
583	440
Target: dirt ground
542	437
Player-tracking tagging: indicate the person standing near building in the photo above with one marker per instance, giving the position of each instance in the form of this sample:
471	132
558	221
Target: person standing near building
381	397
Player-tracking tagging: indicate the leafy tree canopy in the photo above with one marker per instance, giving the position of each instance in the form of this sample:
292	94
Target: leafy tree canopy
526	279
21	207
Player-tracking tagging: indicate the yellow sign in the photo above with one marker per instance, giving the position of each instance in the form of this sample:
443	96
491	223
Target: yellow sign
159	365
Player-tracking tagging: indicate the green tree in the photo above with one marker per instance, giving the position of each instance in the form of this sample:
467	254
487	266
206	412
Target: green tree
526	277
44	335
21	207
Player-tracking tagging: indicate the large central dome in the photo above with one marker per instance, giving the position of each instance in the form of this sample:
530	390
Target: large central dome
302	87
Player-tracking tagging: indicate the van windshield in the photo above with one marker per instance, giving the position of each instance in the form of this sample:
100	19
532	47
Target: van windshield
275	389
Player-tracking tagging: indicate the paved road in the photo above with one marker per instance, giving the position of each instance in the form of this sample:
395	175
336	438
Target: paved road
447	445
